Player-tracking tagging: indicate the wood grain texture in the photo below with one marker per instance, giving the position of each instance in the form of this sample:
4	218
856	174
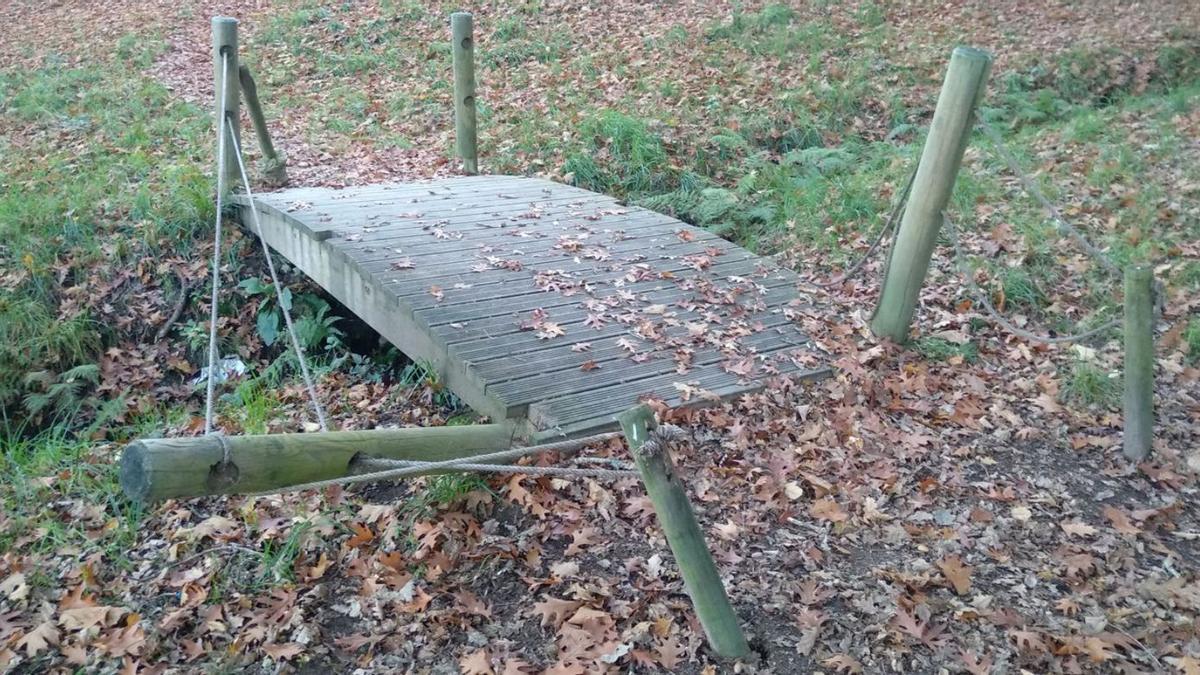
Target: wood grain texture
543	302
168	468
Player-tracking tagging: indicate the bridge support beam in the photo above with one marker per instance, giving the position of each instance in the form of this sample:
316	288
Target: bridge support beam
273	166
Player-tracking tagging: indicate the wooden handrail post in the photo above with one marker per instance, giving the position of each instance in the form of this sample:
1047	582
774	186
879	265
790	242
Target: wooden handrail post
225	71
274	168
908	262
463	46
674	511
1139	362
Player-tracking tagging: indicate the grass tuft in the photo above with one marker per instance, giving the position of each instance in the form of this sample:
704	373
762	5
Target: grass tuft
1088	385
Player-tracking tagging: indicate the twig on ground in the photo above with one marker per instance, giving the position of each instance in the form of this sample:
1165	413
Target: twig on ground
184	289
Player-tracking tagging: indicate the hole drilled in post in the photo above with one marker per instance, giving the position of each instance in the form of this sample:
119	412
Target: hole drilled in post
470	100
467	43
222	475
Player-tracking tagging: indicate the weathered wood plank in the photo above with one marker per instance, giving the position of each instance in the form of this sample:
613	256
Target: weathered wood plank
519	394
575	249
381	242
561	362
503	339
561	271
609	401
523	298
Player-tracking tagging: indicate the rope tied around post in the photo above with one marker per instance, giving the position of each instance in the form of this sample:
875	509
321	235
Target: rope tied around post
659	438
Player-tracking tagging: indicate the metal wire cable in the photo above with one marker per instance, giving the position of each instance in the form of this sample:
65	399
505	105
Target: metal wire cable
287	314
888	226
567	471
511	454
210	386
1034	191
991	311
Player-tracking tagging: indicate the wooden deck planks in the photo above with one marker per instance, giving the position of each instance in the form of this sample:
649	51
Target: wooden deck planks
545	301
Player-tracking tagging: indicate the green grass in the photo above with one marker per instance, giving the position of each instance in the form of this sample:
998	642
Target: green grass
96	189
278	559
1089	386
60	495
1191	338
940	349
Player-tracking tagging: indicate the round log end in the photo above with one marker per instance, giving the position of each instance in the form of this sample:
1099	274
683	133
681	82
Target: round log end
972	54
133	473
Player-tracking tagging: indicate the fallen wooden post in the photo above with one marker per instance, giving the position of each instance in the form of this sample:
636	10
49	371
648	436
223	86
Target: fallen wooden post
909	258
463	47
685	537
274	168
1139	362
168	468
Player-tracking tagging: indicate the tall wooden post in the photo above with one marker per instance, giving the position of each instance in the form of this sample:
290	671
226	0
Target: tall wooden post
461	30
1139	362
908	262
674	512
275	170
225	72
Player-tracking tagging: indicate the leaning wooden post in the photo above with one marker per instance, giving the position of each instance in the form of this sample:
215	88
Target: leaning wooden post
275	170
225	72
461	29
674	512
1139	362
908	261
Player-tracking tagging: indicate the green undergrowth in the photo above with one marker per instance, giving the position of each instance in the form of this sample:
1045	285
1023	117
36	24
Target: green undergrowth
776	178
1086	385
109	175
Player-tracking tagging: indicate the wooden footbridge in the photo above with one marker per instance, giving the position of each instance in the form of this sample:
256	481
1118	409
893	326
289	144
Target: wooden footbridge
541	302
548	308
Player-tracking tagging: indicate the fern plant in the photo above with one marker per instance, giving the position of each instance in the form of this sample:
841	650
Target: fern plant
61	396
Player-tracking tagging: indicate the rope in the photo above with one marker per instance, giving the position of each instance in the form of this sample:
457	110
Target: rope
614	463
287	313
994	315
511	454
660	437
211	385
1035	192
888	226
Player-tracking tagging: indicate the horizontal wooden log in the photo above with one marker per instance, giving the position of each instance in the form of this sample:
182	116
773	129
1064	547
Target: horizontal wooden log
168	468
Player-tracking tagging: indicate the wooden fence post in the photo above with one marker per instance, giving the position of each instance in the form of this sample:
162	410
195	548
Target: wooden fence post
1139	361
908	261
225	70
461	29
275	169
674	511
